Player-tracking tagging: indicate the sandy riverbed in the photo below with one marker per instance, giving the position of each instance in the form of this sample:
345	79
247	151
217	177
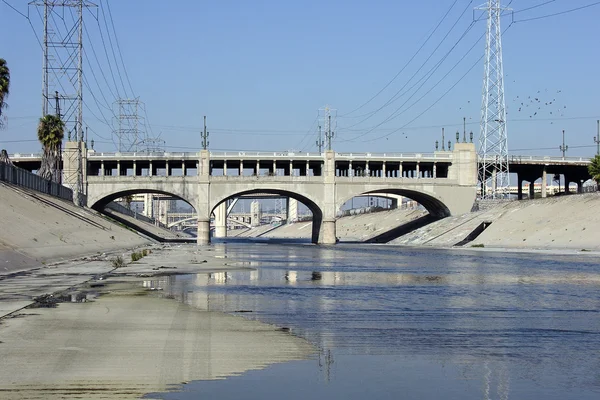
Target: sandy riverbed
131	340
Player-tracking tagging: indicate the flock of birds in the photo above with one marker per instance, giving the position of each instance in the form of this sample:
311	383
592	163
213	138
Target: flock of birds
542	104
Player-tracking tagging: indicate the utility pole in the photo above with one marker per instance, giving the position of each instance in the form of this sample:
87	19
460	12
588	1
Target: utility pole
597	139
329	123
443	139
329	134
57	104
320	141
564	147
204	135
493	143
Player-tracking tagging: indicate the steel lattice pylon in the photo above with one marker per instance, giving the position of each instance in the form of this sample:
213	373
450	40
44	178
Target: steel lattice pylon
493	147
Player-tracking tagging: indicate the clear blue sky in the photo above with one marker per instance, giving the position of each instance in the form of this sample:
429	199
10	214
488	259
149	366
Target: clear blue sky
259	70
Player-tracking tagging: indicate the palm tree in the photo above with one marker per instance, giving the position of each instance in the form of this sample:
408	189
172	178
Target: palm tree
594	170
4	85
51	131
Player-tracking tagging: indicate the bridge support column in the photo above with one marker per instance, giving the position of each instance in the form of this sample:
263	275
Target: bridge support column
519	187
532	188
328	232
544	183
292	210
221	221
203	231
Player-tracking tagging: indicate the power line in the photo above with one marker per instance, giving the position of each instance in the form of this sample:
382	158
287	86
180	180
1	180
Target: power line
118	46
532	7
112	49
398	94
559	13
398	111
405	65
428	108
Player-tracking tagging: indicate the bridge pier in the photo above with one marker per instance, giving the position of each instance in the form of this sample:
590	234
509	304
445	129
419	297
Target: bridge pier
328	232
544	183
221	221
203	232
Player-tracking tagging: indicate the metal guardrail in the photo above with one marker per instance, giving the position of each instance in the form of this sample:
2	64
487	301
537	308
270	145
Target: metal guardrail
23	178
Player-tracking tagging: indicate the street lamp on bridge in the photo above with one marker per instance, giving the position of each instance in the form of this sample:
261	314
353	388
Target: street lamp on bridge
564	147
597	139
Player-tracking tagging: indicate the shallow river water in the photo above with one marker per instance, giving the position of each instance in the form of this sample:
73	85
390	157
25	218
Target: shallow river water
402	323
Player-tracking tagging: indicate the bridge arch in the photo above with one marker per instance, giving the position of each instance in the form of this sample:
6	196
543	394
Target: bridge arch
100	201
312	204
432	204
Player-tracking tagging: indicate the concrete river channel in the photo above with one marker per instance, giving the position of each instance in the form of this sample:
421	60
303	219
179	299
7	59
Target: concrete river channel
406	323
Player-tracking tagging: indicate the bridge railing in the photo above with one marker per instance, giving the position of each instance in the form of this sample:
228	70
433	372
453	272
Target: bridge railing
437	156
20	177
546	159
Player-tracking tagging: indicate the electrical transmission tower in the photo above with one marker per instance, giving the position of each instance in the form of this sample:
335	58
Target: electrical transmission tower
493	147
328	121
62	72
129	124
62	69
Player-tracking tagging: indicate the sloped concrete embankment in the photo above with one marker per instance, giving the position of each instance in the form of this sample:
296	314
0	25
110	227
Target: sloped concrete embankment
38	228
353	228
566	222
157	233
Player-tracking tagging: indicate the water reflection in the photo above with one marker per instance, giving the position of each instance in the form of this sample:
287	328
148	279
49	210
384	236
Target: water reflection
477	326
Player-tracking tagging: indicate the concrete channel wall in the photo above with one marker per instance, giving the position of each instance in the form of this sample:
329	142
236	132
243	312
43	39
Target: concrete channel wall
20	177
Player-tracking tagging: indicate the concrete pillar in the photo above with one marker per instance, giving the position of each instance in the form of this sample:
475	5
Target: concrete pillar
307	167
118	167
70	158
350	170
134	168
203	231
150	168
221	221
148	206
257	167
544	183
203	207
241	167
102	168
434	170
567	184
225	168
400	170
274	167
183	168
367	169
519	187
383	172
328	232
532	189
255	211
292	210
418	169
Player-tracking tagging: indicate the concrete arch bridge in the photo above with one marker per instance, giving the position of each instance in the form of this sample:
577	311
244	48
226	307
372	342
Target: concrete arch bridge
443	182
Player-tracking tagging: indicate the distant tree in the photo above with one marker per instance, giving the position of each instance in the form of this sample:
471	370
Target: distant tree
4	86
128	201
556	178
51	131
594	170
